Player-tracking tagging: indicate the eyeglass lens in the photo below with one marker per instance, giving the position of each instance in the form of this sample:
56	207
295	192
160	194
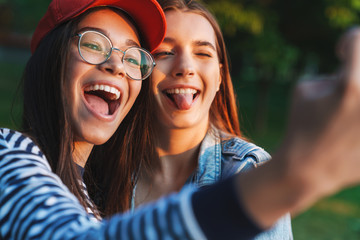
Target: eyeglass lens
95	48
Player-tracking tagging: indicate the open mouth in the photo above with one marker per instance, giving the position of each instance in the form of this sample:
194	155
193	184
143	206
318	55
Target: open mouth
103	99
183	98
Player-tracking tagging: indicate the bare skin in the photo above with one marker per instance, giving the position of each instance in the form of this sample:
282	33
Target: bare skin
320	154
178	161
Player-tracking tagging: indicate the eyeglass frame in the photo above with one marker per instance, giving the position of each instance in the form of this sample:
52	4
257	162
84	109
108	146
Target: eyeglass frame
80	35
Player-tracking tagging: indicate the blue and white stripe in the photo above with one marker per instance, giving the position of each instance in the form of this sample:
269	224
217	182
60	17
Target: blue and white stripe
35	204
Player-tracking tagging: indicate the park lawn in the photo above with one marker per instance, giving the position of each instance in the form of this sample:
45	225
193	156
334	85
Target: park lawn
333	218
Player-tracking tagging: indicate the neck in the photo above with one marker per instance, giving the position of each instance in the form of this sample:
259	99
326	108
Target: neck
81	152
174	141
178	149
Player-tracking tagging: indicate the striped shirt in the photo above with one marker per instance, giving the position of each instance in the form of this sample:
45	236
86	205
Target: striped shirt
35	204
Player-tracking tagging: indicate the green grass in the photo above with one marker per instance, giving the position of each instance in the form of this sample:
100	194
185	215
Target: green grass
333	218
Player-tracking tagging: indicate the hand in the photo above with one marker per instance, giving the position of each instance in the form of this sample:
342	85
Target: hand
324	128
320	153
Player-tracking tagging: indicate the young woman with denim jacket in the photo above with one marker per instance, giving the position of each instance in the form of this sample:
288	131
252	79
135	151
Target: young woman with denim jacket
194	114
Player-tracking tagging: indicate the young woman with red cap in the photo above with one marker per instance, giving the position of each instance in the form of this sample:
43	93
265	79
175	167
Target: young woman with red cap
84	75
78	87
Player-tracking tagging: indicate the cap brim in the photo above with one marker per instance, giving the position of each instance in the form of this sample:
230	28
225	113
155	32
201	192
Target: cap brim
147	14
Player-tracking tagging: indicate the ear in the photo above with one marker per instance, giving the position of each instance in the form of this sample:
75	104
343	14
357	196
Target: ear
220	76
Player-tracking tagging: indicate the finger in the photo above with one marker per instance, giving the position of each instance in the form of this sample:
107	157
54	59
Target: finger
343	48
349	53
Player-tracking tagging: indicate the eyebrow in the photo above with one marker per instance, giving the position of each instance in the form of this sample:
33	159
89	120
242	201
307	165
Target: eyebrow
128	42
168	40
131	42
205	43
196	43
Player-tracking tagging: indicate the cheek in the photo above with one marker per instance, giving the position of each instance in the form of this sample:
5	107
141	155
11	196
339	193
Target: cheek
212	75
74	69
135	87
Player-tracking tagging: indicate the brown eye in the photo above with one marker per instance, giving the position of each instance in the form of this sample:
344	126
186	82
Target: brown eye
163	54
91	46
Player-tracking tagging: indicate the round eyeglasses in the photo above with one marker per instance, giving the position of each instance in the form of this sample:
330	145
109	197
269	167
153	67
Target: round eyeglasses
96	48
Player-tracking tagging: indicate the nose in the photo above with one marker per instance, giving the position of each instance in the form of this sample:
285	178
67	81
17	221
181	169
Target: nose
183	66
114	64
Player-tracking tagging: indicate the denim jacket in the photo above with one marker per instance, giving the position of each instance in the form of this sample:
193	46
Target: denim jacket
222	156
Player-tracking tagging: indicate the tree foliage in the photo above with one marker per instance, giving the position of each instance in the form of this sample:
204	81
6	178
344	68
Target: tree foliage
282	38
21	15
278	41
342	14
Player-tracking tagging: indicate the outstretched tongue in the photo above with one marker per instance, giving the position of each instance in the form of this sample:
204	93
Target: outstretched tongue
183	101
97	103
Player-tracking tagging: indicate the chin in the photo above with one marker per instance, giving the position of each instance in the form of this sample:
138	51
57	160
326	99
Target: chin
180	124
98	138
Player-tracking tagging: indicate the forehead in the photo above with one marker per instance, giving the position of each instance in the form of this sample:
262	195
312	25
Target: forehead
112	23
187	26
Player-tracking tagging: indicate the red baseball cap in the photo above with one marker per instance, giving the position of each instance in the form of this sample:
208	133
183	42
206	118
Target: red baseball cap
147	14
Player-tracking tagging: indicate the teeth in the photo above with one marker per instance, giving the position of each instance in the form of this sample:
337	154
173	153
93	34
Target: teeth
105	88
181	91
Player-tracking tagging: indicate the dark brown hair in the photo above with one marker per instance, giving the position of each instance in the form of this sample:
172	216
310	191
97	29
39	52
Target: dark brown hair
131	148
223	111
48	123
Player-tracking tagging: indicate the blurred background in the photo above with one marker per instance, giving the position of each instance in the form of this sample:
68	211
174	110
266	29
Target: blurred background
272	44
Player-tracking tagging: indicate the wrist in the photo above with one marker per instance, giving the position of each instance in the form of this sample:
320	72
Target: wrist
274	189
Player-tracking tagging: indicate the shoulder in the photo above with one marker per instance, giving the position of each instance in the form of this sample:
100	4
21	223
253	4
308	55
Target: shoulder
239	149
239	155
19	152
32	197
11	140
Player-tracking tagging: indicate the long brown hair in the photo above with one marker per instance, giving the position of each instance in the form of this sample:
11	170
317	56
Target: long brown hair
223	111
46	120
44	117
131	147
137	133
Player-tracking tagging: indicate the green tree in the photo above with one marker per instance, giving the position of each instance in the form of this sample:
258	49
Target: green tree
278	41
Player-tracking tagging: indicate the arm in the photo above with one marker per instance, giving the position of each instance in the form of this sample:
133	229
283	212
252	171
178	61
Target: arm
34	204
